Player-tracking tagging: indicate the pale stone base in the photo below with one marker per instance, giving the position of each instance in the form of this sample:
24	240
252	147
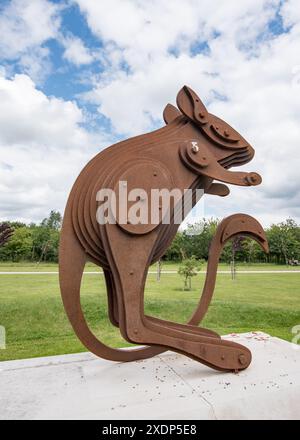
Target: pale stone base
169	386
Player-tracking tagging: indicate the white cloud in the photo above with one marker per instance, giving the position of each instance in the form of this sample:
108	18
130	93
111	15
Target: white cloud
43	146
291	12
149	49
75	51
24	26
147	39
257	71
133	101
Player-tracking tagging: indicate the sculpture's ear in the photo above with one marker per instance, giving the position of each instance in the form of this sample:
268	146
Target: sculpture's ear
191	106
170	113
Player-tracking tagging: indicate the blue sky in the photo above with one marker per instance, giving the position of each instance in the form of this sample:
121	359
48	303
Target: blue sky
66	78
76	76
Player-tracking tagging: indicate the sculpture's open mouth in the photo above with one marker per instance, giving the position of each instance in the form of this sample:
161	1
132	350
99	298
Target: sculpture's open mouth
241	157
238	177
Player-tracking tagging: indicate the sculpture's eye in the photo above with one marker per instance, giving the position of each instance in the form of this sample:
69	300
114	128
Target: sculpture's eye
226	134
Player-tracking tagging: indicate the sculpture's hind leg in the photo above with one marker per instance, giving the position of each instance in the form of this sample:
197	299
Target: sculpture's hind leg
132	272
112	301
113	311
72	260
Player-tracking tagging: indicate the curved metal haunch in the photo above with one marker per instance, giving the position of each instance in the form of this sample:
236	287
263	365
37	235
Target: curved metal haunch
191	152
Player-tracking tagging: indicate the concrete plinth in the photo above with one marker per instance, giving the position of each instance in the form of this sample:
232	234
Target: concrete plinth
169	386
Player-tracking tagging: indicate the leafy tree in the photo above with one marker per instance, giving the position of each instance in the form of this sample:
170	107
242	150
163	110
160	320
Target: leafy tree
34	242
226	253
187	270
6	232
283	241
176	249
45	244
41	237
51	253
46	238
199	236
19	246
195	240
53	221
16	225
248	249
236	246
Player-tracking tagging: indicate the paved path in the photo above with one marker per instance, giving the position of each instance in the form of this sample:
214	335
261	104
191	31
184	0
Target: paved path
168	386
154	272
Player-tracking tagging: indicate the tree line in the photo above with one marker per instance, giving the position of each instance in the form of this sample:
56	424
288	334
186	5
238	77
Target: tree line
283	238
39	242
33	242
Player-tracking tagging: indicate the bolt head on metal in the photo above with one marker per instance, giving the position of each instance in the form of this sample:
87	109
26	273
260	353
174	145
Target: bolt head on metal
253	179
195	149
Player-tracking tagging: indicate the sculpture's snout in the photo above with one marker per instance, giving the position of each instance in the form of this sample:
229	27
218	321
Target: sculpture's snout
202	161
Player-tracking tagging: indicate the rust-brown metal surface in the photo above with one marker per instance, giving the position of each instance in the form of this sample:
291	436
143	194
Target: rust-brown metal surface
192	151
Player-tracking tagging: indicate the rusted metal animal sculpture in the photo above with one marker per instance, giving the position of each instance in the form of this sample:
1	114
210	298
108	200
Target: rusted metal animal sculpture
193	150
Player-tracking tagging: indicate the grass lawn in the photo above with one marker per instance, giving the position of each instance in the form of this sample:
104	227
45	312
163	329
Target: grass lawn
166	266
36	325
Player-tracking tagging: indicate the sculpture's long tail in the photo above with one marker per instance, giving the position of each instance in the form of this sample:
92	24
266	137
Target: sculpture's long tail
72	259
231	226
